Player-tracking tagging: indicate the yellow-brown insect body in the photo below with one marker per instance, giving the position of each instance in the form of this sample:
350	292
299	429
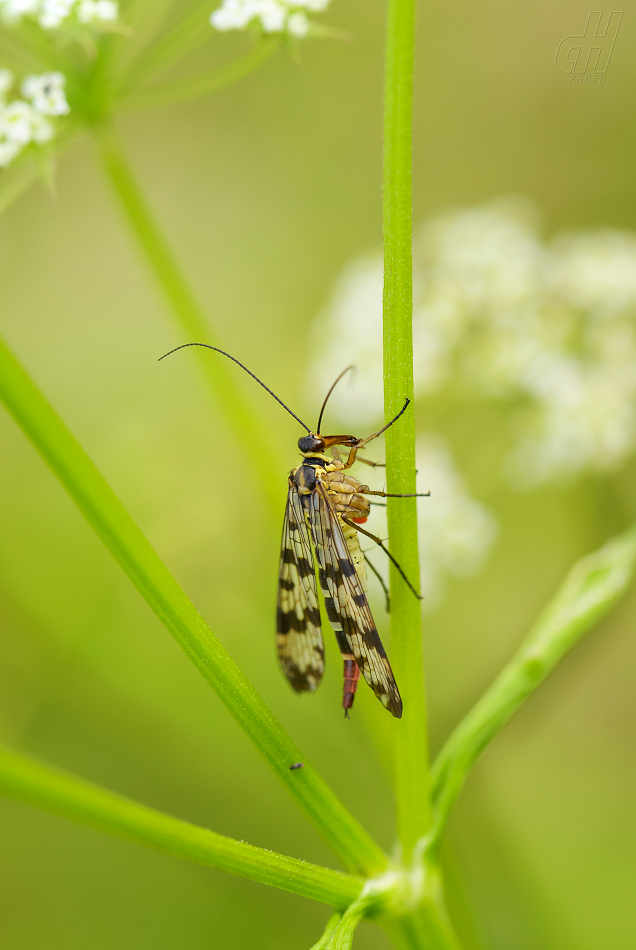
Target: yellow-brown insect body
324	507
344	492
347	501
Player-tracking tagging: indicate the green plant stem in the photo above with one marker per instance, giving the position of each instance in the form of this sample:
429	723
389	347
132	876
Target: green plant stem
205	83
190	318
193	28
590	590
412	781
344	931
327	933
130	548
426	928
74	798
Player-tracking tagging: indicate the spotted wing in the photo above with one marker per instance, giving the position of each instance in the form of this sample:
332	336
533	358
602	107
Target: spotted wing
299	637
346	602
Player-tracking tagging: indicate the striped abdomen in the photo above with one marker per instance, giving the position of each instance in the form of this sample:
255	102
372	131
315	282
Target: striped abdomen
351	669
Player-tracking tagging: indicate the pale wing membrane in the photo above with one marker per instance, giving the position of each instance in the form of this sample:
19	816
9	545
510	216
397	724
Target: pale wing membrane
346	602
299	638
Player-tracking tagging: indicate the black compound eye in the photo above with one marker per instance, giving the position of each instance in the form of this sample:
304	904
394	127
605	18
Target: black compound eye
310	443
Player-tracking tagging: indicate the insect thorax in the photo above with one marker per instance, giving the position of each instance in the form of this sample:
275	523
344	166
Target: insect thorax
344	490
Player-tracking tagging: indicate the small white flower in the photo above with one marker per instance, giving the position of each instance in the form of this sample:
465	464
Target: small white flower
41	128
9	149
272	16
17	122
12	11
46	93
23	123
298	24
53	12
97	11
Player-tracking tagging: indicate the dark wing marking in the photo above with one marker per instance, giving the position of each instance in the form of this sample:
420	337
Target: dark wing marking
346	602
299	637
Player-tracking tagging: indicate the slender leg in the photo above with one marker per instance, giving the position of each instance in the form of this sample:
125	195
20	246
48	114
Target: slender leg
381	579
380	542
383	494
369	462
362	442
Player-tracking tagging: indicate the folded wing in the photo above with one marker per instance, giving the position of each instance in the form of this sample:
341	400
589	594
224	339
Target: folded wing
346	602
299	636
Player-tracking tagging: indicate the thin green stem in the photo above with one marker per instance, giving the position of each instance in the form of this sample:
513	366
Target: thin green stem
205	83
130	548
56	791
193	28
412	781
325	938
427	928
590	590
344	931
190	318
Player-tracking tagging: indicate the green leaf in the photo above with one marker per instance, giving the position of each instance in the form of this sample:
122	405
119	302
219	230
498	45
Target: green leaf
56	791
590	590
135	555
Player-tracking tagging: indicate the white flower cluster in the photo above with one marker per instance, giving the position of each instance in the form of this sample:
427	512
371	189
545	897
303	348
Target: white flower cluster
456	532
50	14
548	328
271	16
28	120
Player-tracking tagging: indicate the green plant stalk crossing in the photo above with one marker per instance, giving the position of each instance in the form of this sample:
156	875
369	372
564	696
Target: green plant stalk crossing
412	778
136	556
589	591
205	83
190	318
189	31
64	794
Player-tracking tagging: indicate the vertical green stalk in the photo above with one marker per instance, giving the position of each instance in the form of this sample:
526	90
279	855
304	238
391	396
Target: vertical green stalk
412	779
189	316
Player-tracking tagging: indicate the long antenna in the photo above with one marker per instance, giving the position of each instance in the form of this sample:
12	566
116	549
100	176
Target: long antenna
352	367
374	435
249	372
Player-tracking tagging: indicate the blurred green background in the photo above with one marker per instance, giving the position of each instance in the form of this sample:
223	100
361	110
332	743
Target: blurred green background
266	190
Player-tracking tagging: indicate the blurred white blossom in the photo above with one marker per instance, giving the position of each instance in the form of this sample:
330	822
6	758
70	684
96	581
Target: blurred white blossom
94	12
547	328
51	14
26	121
271	16
456	532
46	93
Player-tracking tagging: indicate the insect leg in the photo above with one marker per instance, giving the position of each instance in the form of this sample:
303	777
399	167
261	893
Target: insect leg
381	579
372	464
384	494
380	542
361	442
